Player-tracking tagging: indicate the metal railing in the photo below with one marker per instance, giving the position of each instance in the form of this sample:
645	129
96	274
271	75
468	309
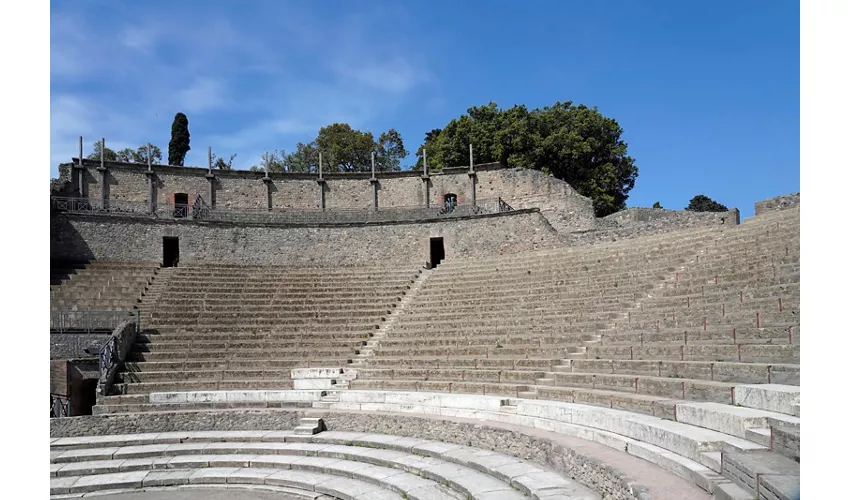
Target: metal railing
108	356
59	405
504	207
260	213
89	321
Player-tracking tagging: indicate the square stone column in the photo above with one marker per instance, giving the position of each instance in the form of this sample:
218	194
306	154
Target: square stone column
374	183
211	179
321	182
268	182
151	195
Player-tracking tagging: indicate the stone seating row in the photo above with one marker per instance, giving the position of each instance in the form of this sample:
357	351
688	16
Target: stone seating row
343	464
225	331
449	282
687	438
104	286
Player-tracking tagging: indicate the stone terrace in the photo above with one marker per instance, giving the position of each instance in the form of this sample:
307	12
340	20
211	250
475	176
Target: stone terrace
637	324
239	327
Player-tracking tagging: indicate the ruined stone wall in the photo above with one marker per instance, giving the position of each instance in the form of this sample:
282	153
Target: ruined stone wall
778	203
640	222
78	237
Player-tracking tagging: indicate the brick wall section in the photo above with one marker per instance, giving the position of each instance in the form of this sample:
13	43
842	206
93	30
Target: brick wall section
778	203
565	209
75	237
59	376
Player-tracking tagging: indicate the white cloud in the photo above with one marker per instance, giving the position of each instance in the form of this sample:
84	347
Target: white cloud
204	94
251	90
396	76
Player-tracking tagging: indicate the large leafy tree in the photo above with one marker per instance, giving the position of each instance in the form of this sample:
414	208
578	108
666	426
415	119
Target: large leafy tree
179	144
574	143
108	154
702	203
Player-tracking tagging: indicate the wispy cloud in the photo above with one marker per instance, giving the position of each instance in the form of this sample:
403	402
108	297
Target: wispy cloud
245	89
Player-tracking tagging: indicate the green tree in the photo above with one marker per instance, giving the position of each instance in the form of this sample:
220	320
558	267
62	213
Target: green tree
345	149
702	203
108	154
178	146
574	143
139	155
430	138
222	164
390	152
657	204
304	160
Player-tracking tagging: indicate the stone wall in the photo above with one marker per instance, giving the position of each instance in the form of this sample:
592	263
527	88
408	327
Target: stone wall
565	209
82	237
638	222
518	442
778	203
74	345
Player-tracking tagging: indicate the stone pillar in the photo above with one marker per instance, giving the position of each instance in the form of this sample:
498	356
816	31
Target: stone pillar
472	177
81	172
268	182
211	177
374	182
104	189
426	180
150	175
321	182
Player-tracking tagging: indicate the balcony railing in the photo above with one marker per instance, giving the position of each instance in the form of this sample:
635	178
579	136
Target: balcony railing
261	214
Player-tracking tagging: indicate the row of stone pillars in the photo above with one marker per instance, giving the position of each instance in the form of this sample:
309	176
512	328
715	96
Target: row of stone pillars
210	176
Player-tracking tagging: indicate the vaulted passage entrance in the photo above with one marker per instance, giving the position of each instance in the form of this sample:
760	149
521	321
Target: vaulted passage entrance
438	252
170	251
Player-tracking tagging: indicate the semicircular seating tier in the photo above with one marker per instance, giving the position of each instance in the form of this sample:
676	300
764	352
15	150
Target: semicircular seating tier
681	348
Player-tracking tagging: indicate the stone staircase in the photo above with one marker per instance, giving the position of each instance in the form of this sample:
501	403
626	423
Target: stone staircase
367	351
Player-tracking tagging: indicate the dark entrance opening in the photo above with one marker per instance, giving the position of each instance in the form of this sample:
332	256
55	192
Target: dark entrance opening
83	397
438	252
170	251
181	205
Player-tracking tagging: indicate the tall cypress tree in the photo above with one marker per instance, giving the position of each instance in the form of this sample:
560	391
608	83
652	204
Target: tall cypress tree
178	146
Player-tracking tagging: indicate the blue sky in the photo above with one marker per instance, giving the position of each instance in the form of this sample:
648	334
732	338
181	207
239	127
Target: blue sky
708	93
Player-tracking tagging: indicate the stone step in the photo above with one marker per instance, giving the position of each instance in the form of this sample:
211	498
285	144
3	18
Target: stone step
463	470
309	426
770	397
733	420
287	482
762	473
785	440
731	491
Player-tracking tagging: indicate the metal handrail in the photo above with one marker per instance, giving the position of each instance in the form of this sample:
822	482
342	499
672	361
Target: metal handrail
59	405
108	355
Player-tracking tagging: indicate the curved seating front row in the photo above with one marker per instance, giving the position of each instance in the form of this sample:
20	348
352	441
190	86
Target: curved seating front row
337	464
